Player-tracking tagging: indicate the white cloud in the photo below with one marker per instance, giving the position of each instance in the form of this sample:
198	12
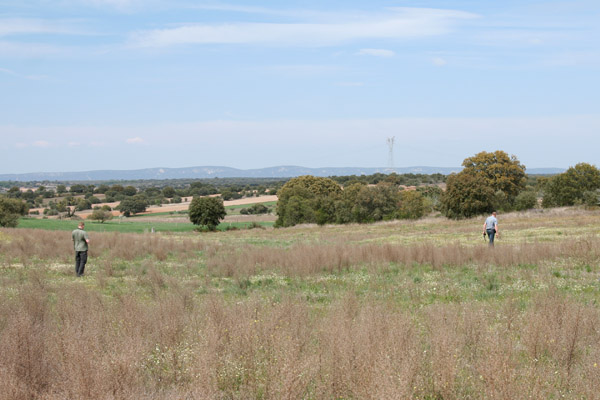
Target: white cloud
119	5
10	27
425	141
376	52
135	140
41	143
398	23
439	61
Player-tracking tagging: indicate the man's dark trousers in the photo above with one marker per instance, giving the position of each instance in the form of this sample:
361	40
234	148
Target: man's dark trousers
491	233
80	260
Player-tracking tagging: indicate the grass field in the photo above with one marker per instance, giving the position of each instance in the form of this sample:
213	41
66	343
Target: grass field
138	224
406	310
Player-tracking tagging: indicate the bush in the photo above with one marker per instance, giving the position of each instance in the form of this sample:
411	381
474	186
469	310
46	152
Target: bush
412	205
591	198
10	211
568	188
526	200
255	209
101	215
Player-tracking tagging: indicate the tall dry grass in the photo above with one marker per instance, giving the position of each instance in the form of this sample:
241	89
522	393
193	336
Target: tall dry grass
148	333
25	245
78	344
312	258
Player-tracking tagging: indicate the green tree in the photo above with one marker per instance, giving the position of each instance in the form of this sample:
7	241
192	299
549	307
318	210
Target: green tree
569	188
83	204
10	211
132	205
345	205
207	212
101	215
376	203
307	199
129	191
488	181
467	194
412	205
14	192
78	188
500	171
168	192
526	200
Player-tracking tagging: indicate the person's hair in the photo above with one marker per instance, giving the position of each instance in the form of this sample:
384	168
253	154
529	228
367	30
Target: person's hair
82	224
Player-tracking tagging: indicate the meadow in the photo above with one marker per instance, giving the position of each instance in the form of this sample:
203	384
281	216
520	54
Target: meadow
167	222
396	310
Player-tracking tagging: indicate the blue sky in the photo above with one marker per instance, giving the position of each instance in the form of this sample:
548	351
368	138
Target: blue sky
127	84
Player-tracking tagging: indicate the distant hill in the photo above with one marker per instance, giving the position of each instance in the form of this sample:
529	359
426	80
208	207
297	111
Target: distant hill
227	172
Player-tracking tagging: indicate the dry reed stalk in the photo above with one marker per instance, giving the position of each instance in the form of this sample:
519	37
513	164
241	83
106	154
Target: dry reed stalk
83	345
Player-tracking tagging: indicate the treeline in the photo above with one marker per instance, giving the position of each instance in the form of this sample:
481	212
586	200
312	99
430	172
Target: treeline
488	182
495	181
79	197
309	199
393	178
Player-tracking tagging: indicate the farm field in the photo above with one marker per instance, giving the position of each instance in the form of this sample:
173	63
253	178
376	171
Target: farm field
404	309
160	219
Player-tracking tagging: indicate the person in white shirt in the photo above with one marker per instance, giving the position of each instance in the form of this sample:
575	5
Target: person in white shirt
490	227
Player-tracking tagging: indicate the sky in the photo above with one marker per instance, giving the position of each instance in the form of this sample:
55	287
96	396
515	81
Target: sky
131	84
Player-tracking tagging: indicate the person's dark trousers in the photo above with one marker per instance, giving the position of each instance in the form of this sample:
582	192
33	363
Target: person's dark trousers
80	260
491	233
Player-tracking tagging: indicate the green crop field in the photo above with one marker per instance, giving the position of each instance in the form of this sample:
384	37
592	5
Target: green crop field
129	225
404	309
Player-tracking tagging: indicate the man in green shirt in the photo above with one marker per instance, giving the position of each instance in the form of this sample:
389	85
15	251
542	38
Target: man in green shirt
80	243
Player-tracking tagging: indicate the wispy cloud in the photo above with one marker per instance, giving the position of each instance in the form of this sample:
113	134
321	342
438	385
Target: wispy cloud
35	143
135	140
397	23
41	143
13	73
19	26
439	61
376	52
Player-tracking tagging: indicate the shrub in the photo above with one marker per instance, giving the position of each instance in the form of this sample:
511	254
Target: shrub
10	211
526	200
568	188
412	205
101	215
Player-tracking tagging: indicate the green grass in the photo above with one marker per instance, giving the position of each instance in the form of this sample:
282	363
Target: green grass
130	225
